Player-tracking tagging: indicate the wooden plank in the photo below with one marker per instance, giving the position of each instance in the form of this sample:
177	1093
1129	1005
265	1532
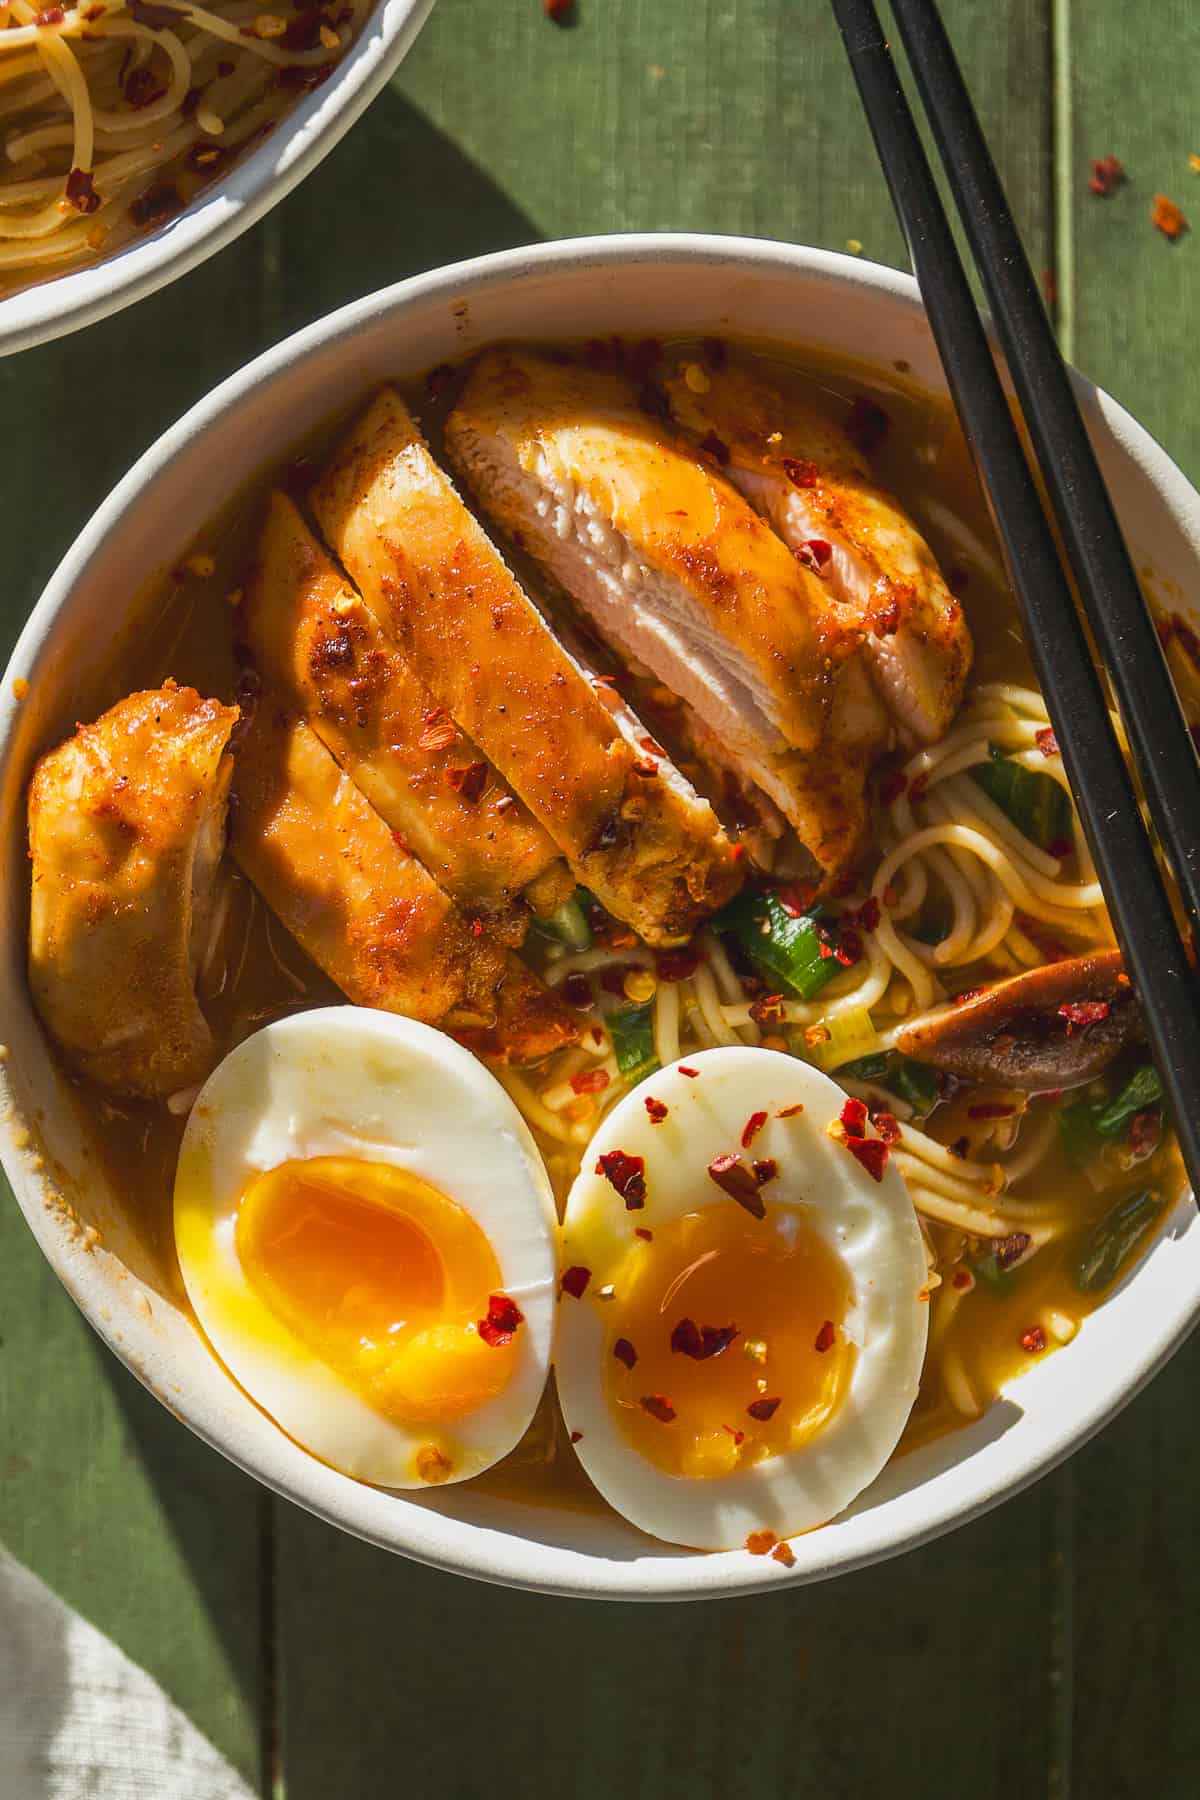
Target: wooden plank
105	1496
736	116
1135	294
452	1690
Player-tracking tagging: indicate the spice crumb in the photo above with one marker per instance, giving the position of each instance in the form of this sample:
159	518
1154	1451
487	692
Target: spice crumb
1167	218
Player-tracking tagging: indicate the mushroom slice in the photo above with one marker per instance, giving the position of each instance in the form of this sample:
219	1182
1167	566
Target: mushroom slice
126	828
1053	1027
366	911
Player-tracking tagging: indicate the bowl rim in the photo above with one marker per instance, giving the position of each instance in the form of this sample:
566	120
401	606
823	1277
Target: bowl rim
221	212
499	1556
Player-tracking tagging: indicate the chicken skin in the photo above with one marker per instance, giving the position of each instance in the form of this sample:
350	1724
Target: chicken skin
806	475
363	909
314	641
632	829
126	829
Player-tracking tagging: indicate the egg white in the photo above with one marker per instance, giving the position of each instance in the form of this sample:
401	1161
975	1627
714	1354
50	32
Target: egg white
870	1225
350	1081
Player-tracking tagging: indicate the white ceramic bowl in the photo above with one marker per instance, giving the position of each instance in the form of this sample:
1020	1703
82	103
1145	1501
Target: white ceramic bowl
229	205
633	284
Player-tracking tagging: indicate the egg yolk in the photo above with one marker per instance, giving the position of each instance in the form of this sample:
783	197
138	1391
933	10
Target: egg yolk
727	1341
381	1277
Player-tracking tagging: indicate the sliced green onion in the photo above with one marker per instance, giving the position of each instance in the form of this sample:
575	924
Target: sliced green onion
568	925
1113	1240
1078	1131
1141	1091
632	1031
911	1081
787	950
848	1032
1036	804
993	1275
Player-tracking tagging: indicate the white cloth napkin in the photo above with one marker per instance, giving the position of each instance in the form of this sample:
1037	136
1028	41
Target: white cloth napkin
79	1721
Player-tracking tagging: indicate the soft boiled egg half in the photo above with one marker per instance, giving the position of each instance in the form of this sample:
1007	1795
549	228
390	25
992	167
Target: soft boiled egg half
366	1233
743	1307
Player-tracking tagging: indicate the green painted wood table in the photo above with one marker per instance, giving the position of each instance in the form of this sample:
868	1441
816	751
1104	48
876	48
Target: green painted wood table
1051	1648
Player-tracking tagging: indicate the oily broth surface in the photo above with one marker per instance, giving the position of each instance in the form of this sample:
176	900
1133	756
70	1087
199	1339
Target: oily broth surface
186	629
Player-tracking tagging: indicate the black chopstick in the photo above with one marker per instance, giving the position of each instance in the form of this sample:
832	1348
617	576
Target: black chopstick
1125	863
1162	747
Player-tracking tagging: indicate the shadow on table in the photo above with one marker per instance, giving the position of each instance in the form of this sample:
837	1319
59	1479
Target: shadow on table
396	197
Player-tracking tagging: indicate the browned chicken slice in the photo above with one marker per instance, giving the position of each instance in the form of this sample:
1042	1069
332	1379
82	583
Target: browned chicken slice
363	909
672	567
315	641
806	475
126	828
645	843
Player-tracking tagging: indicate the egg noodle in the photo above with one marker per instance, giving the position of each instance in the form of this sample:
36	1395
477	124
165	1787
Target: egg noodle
939	836
113	112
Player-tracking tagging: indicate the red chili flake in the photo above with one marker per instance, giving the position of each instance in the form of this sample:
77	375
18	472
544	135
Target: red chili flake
645	767
476	927
1010	1249
81	192
765	1169
867	424
503	1317
469	781
657	1110
1050	295
760	1542
1059	847
676	965
872	1153
764	1409
575	1280
1168	218
991	1109
735	1179
854	1117
577	992
888	1126
790	1112
438	729
576	1437
892	785
962	1278
849	948
659	1407
701	1342
711	444
1107	174
53	15
885	620
1046	741
1145	1128
685	1069
1034	1341
768	1010
814	554
739	1437
783	1553
624	1352
559	12
1083	1012
627	1174
752	1127
142	87
801	473
642	1232
796	899
156	205
826	1337
868	915
590	1081
738	851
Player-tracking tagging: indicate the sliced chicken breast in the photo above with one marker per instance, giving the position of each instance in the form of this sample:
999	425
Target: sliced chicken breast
363	909
666	559
633	830
126	828
317	644
806	475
